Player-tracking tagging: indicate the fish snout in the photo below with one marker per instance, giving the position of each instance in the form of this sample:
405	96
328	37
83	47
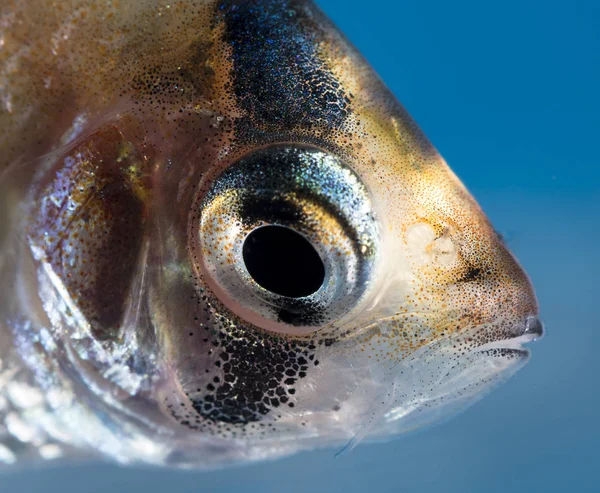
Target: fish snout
534	327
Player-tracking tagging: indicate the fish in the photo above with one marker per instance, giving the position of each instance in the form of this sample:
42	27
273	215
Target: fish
223	240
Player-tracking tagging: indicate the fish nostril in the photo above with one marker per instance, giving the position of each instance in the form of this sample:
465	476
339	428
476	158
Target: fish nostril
534	326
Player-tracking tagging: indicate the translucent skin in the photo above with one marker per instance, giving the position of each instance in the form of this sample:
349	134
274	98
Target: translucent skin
116	337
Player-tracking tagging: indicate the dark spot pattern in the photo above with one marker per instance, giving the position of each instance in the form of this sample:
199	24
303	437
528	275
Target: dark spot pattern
278	77
472	274
250	374
258	373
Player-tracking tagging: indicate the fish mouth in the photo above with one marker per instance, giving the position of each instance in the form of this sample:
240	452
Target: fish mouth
530	331
443	379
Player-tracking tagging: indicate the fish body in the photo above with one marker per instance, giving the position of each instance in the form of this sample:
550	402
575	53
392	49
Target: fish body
223	240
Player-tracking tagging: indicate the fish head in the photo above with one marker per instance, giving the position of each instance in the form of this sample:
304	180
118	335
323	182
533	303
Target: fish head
232	243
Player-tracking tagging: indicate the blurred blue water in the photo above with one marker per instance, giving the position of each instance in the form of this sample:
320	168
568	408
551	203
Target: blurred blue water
507	91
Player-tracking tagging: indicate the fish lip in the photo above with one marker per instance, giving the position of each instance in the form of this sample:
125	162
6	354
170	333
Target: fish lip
531	331
508	351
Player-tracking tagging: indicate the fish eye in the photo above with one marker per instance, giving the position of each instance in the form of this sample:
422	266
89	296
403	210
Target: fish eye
286	237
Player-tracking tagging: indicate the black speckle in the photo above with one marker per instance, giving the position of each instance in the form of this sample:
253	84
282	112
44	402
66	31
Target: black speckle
278	75
472	275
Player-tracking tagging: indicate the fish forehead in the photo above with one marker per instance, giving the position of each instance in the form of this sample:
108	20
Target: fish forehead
228	59
234	57
255	73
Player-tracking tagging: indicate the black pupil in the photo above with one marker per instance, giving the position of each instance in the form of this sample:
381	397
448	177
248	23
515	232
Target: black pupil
283	261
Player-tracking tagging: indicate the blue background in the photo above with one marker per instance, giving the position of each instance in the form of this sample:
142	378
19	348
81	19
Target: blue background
508	92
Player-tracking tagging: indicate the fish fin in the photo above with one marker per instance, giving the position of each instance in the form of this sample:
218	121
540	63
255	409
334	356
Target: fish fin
366	428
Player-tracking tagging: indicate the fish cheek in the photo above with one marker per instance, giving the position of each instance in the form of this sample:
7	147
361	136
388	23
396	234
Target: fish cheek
257	376
88	222
235	375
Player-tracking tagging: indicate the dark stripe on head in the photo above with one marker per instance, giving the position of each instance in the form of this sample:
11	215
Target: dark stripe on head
278	77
